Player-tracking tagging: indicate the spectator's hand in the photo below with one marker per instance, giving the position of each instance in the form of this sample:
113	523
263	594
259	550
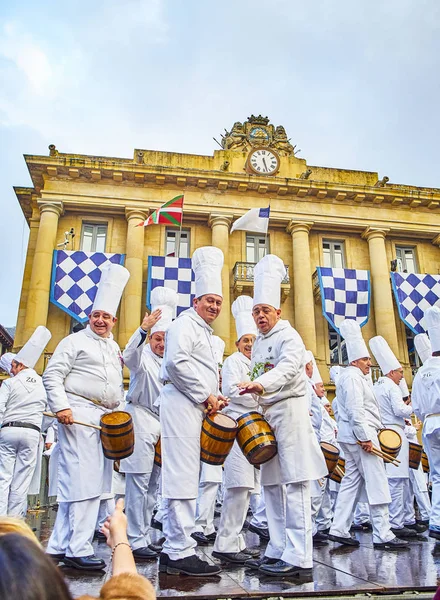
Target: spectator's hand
150	320
115	528
65	416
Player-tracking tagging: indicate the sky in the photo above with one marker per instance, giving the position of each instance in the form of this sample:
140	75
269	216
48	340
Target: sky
355	84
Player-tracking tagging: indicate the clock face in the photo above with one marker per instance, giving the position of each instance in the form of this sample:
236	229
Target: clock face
264	162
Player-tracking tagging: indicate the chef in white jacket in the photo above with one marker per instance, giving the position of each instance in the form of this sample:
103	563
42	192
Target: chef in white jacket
190	375
393	412
278	378
359	421
240	476
144	359
84	381
22	402
426	406
418	489
6	362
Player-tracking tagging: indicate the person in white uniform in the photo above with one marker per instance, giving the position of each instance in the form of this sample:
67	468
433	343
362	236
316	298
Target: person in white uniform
22	402
190	375
240	476
279	381
426	405
84	381
358	425
417	489
393	412
144	360
6	362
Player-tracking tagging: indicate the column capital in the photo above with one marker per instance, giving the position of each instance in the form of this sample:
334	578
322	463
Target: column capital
132	212
53	207
218	219
436	240
371	233
295	226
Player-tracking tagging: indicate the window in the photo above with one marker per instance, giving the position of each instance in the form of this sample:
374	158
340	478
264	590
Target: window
414	359
257	246
406	259
338	351
334	255
93	237
176	238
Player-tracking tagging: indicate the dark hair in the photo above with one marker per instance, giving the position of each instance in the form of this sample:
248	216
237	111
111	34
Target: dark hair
26	573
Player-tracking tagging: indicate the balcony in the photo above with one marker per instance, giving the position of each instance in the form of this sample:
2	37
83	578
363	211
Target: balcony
243	275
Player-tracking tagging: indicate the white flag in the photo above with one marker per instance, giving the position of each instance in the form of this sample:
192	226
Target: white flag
256	219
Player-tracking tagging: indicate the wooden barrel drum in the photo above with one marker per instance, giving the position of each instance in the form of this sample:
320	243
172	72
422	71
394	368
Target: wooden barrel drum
390	442
158	454
217	438
425	462
331	455
415	455
117	435
338	474
256	438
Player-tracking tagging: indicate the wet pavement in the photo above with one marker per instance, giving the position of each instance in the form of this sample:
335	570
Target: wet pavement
337	570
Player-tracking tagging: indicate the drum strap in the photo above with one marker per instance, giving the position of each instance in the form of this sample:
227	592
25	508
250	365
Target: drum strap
432	415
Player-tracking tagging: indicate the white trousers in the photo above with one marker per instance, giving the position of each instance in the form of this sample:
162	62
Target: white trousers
235	506
325	515
362	513
398	490
206	507
422	498
178	527
74	528
140	498
318	490
431	443
106	508
18	458
288	509
258	505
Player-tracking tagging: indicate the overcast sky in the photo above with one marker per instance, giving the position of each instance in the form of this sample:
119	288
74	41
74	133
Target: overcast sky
355	84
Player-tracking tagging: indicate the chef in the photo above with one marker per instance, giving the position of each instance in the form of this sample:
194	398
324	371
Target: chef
279	381
190	375
84	381
358	425
144	359
22	402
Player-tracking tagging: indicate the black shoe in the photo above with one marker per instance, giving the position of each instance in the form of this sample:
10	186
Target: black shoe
253	552
434	533
324	531
281	568
262	532
347	541
403	532
85	563
217	512
417	527
236	558
145	553
200	538
366	526
394	544
163	562
157	546
99	536
211	537
156	524
192	565
423	522
320	539
56	557
255	563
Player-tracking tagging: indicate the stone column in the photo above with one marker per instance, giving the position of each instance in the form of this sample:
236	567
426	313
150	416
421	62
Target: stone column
220	239
131	308
381	286
37	304
303	300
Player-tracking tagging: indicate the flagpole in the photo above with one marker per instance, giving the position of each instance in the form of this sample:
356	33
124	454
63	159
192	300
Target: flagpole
179	235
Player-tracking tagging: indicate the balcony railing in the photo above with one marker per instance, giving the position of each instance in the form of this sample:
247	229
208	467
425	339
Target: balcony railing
244	271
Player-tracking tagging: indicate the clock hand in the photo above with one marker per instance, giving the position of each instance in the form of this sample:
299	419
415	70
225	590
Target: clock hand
264	162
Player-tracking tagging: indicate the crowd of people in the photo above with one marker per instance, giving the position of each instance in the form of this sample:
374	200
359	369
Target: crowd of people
177	378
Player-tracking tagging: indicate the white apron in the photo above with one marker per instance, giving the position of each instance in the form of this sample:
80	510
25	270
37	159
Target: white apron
239	473
402	471
146	435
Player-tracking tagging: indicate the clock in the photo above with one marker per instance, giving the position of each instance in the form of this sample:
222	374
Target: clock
263	161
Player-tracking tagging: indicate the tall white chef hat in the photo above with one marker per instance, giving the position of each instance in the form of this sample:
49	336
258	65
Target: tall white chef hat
316	375
404	388
351	332
384	355
113	281
335	373
207	264
309	357
423	346
6	361
218	348
31	351
269	272
166	299
242	313
432	320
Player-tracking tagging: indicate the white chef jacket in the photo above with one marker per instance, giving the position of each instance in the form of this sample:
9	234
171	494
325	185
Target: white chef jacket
23	398
84	366
329	428
315	410
425	396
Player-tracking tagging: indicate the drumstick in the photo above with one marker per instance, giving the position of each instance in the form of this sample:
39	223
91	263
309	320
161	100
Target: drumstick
386	455
339	471
381	454
48	414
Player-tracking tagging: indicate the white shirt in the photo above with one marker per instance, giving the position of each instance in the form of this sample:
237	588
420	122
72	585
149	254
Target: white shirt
23	398
315	410
329	428
236	369
393	410
425	396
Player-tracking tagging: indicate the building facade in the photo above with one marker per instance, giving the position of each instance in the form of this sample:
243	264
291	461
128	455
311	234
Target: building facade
319	217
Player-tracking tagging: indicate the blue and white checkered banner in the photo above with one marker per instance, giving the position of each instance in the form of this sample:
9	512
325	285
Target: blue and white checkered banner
414	293
75	278
175	273
345	294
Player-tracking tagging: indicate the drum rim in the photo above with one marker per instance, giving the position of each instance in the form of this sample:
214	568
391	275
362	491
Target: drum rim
110	426
394	432
251	452
221	427
338	452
